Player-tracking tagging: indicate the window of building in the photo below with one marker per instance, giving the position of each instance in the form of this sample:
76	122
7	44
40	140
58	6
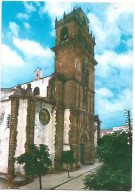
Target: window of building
36	91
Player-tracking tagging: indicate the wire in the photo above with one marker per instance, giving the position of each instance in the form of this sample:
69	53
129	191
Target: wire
112	112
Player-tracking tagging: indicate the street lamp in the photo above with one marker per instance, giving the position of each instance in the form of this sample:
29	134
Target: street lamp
125	111
126	122
129	125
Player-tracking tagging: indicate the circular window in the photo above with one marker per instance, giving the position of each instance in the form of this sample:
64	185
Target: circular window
44	116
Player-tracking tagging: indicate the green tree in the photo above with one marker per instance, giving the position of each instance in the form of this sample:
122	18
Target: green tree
36	161
68	159
116	172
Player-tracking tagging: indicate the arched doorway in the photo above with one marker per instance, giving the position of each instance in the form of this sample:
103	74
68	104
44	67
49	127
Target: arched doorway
84	149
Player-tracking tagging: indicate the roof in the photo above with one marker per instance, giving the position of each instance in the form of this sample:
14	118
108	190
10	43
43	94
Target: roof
31	81
106	131
5	93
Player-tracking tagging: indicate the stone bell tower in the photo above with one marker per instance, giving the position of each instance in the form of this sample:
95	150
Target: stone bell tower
72	86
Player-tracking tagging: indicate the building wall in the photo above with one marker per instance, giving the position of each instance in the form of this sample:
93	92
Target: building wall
21	135
5	93
66	145
41	83
45	134
5	111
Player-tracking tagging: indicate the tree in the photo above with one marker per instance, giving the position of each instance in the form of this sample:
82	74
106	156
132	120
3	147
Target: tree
68	159
116	172
36	161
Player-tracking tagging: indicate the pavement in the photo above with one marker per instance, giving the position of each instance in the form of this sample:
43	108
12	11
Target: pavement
75	184
55	180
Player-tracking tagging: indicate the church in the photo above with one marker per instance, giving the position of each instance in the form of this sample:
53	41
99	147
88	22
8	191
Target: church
57	110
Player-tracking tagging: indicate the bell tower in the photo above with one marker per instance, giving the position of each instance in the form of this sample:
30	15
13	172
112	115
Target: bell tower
74	45
74	61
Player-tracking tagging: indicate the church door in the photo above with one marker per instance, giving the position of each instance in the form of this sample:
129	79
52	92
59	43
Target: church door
82	153
84	149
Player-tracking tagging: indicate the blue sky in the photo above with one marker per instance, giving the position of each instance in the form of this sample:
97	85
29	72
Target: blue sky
28	34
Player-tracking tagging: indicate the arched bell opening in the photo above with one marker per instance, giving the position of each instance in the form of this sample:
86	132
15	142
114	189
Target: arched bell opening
36	91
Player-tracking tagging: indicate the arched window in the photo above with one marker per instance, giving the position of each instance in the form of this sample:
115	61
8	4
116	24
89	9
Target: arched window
36	91
64	33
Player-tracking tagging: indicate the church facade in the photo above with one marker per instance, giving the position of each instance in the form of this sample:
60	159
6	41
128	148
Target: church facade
57	110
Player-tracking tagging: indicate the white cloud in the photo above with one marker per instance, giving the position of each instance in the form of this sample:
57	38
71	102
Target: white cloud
107	35
104	92
7	35
55	9
121	14
31	48
117	20
37	3
129	43
105	106
26	25
29	7
110	59
10	57
14	28
22	16
116	9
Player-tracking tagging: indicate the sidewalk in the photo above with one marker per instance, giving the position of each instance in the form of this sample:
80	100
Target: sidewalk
51	181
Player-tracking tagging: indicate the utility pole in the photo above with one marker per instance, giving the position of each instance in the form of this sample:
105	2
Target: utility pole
99	124
129	125
97	120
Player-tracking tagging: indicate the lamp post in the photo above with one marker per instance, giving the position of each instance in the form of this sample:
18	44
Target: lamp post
129	125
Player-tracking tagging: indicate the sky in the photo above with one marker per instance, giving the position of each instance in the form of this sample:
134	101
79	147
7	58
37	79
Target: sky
28	34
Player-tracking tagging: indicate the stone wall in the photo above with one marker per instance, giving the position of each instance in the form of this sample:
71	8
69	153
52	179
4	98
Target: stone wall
66	133
13	137
41	83
45	134
21	133
5	112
